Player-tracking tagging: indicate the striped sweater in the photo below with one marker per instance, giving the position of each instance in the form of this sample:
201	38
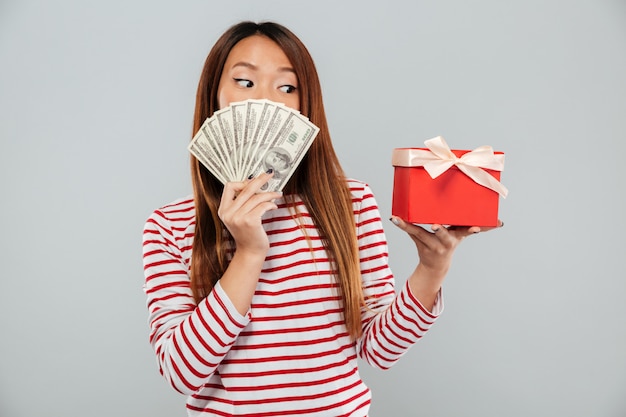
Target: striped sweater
290	355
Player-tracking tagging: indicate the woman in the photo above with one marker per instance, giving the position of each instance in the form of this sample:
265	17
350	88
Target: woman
260	302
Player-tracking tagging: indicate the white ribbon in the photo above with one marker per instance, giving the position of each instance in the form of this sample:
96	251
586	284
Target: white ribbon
439	158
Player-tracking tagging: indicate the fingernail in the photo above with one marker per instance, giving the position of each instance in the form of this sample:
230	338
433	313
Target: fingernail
394	220
250	176
435	228
501	223
269	171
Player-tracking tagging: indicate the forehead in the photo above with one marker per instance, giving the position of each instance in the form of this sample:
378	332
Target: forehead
257	50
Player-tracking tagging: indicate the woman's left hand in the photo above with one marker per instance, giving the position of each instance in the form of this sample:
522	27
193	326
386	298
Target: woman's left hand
435	250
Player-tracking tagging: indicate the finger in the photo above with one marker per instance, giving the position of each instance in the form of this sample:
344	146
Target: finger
260	199
235	194
256	211
417	233
486	229
245	217
463	231
246	203
435	240
477	229
253	185
249	196
448	236
231	190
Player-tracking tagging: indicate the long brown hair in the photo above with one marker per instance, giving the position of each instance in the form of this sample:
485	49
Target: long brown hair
319	179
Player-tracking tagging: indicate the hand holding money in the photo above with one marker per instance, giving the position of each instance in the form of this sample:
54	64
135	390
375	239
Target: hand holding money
241	208
249	137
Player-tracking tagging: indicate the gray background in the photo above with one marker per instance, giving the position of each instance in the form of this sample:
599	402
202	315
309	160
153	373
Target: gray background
96	103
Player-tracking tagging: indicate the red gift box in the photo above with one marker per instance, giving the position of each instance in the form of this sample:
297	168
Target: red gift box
449	187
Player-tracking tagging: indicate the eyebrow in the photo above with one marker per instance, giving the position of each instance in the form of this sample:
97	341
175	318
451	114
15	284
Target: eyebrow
254	67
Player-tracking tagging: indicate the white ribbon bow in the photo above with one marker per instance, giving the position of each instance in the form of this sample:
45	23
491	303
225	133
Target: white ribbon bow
439	158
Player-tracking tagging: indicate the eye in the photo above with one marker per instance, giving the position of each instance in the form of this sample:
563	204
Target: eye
244	83
287	88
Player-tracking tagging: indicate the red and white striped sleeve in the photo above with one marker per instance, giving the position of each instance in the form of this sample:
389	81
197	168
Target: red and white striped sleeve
189	340
392	322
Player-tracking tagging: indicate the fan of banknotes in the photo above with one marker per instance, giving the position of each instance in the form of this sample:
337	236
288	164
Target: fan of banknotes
250	137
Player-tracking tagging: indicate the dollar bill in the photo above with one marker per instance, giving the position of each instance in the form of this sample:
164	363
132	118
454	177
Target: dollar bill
225	125
220	145
249	137
238	114
202	149
260	112
274	123
285	151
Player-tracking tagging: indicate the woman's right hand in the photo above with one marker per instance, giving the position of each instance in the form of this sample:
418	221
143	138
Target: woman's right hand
241	209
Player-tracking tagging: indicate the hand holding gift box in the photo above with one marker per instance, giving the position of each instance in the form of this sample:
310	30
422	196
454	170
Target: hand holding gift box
437	185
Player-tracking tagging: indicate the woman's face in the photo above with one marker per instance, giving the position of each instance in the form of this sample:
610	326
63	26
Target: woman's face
256	68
